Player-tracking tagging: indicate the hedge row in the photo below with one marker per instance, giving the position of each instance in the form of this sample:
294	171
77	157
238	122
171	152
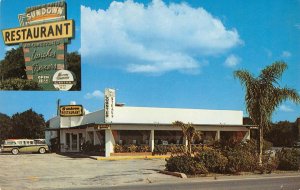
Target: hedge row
131	148
233	160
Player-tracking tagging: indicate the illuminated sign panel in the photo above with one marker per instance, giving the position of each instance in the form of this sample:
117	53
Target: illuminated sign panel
71	110
40	32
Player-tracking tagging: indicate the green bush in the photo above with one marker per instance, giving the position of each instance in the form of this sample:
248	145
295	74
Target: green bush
131	148
269	163
267	145
288	159
19	84
241	158
87	147
176	149
118	148
160	150
172	148
212	159
54	144
143	148
185	164
197	148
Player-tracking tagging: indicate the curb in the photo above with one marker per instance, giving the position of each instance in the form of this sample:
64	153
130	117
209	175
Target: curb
176	174
132	157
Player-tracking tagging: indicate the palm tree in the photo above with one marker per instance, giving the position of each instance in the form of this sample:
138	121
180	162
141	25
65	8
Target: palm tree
264	95
189	132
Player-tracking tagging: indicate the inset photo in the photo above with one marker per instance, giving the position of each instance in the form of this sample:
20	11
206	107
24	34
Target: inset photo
40	45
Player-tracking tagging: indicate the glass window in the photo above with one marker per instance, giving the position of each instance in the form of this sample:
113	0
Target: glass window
10	142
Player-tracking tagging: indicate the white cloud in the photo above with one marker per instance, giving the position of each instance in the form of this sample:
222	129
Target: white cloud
7	48
153	38
285	108
232	61
86	111
72	102
286	54
96	94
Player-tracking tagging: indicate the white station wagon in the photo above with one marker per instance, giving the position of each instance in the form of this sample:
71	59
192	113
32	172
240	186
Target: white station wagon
24	145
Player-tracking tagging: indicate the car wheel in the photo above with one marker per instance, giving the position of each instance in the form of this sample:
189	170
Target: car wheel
42	150
15	151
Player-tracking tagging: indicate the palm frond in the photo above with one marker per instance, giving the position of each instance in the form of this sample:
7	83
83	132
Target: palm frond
273	72
245	77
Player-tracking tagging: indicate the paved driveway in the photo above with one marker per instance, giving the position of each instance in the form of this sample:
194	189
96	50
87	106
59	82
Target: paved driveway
36	171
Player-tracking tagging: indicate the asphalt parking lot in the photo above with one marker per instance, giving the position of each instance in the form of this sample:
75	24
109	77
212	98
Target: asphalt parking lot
49	171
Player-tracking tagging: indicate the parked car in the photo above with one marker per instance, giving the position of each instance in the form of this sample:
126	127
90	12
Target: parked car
24	145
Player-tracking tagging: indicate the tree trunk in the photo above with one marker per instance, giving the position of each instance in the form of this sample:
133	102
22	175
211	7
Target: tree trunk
261	141
190	147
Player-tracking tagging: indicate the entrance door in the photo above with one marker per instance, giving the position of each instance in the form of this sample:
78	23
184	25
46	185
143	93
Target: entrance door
74	142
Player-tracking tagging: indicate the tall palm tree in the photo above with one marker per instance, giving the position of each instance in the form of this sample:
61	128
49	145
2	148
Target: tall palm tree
264	95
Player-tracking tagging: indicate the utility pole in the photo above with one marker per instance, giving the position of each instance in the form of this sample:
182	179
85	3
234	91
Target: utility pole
58	104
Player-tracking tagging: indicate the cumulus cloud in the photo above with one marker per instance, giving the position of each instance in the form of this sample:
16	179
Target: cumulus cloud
86	111
7	48
96	94
153	38
286	54
72	102
285	108
232	61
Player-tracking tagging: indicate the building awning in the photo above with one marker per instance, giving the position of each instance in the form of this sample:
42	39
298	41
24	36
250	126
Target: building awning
197	125
95	125
99	126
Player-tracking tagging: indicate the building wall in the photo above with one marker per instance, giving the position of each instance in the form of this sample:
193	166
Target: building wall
54	122
169	115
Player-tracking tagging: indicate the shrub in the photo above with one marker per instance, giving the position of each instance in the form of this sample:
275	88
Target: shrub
267	145
143	148
54	144
269	163
118	148
160	149
241	158
19	84
185	164
131	148
176	149
288	159
212	159
173	149
87	147
197	148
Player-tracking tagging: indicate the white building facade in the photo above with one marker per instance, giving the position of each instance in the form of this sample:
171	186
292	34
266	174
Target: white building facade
119	124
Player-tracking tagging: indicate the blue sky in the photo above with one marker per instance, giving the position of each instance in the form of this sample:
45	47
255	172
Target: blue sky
171	53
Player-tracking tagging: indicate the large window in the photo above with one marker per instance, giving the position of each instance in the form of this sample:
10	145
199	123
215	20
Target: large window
168	137
126	137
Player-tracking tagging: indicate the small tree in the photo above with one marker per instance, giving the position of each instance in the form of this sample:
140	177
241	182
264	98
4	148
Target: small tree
28	124
5	127
189	133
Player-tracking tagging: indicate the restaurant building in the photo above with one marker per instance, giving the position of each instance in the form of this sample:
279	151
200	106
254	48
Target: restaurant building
125	125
